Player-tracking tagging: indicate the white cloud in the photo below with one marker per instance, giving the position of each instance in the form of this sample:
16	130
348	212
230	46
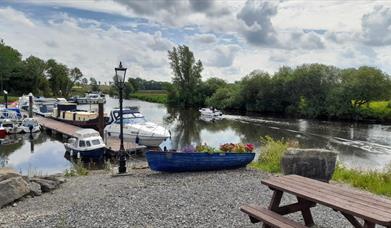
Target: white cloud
10	16
94	50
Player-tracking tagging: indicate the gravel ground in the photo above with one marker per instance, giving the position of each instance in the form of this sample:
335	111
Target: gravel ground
151	199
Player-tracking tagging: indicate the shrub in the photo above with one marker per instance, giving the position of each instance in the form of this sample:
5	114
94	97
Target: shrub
271	154
77	169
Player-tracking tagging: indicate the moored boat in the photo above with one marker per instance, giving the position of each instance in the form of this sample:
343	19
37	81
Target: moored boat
211	112
10	126
136	128
89	98
68	113
30	125
196	161
87	144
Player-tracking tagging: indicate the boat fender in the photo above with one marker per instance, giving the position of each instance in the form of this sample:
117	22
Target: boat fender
137	139
78	154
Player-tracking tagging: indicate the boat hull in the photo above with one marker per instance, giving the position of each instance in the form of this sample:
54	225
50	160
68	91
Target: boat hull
94	153
185	162
151	141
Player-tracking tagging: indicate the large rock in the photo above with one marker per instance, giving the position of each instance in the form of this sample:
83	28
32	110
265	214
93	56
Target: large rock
46	185
317	164
12	189
6	173
35	189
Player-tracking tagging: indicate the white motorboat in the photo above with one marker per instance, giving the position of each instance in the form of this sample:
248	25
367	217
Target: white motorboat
87	144
10	126
89	98
210	112
136	128
30	125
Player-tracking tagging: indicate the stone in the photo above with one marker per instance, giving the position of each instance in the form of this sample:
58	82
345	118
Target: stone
46	185
6	173
12	189
317	164
58	179
35	189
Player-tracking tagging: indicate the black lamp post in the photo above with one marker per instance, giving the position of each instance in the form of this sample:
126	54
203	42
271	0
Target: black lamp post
120	73
5	98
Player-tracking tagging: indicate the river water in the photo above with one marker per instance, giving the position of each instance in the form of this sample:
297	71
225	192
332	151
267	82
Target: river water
361	146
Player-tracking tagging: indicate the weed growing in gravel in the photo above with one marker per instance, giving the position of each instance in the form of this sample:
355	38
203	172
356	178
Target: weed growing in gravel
271	154
377	182
77	169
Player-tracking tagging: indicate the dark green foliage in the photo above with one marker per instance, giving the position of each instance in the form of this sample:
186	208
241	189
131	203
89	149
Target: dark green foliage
186	89
34	75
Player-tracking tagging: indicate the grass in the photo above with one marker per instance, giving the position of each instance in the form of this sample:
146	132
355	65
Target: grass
377	109
378	182
156	96
77	169
373	181
271	155
9	99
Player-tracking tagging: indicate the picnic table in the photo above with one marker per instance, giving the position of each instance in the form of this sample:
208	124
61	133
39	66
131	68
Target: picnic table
351	204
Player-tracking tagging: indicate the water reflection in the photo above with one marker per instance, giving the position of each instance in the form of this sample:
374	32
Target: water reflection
366	146
36	154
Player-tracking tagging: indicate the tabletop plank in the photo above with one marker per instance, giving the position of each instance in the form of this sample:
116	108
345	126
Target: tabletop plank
370	204
316	193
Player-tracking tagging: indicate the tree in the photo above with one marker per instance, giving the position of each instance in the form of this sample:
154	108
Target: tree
84	81
187	76
361	86
59	80
94	84
75	75
34	69
9	59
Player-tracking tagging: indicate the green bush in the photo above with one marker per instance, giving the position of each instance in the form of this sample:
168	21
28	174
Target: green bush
271	154
77	169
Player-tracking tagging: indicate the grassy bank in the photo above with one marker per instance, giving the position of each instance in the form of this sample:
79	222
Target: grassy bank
157	96
373	181
9	98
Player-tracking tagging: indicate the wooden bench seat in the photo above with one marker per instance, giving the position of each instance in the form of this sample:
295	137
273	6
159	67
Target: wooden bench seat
268	217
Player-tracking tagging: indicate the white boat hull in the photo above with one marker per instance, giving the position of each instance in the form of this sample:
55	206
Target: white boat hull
152	141
27	129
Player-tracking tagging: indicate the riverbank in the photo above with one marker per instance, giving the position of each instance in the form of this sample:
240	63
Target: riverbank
156	96
151	199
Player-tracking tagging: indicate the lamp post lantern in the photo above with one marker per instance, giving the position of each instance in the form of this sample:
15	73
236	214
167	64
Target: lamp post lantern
120	73
5	98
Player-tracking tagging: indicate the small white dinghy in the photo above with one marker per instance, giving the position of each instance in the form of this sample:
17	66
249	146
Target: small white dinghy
30	125
210	112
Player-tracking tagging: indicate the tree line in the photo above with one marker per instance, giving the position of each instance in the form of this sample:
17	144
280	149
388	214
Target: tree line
42	78
310	90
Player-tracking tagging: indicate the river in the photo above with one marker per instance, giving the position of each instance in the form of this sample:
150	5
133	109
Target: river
360	145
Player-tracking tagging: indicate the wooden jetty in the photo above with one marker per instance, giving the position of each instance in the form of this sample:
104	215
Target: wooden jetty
68	130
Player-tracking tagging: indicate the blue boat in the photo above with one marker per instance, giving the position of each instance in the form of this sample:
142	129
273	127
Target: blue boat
183	162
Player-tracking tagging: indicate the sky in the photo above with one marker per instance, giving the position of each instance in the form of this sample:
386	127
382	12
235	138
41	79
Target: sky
231	38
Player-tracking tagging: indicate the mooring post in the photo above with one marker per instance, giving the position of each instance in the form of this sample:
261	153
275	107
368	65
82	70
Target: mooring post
30	105
5	98
101	118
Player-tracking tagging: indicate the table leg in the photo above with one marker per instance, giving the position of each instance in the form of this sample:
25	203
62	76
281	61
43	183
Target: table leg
352	220
274	203
306	212
276	200
368	224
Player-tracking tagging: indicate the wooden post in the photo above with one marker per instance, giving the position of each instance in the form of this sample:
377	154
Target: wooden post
30	105
101	118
